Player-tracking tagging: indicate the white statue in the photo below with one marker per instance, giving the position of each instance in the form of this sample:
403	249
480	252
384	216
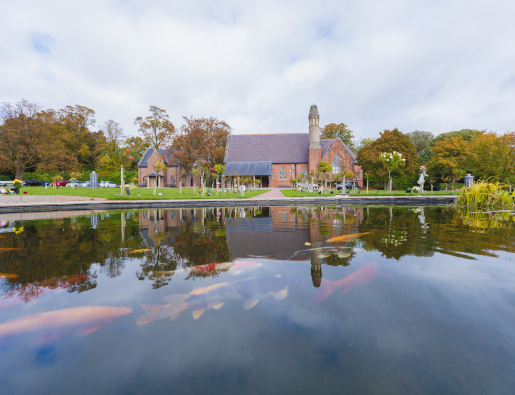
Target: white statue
421	179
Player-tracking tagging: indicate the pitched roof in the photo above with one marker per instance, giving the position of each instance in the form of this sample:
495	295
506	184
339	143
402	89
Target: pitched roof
275	148
249	168
163	152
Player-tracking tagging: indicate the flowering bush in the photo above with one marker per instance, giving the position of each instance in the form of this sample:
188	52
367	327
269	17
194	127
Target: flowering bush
17	183
415	189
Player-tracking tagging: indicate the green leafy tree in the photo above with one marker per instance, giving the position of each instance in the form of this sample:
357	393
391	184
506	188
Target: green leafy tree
156	129
339	131
422	142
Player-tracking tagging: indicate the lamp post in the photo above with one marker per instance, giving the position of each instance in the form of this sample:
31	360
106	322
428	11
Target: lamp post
122	183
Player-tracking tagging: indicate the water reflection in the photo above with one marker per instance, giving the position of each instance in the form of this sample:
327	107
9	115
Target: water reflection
263	299
168	242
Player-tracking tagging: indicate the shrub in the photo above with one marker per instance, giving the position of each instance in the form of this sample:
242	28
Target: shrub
483	194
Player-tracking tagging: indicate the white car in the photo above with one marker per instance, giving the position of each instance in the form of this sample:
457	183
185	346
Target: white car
108	184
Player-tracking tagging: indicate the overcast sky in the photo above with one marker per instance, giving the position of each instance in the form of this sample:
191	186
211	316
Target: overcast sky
259	65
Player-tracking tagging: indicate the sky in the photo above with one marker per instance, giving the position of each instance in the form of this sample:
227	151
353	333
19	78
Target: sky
429	65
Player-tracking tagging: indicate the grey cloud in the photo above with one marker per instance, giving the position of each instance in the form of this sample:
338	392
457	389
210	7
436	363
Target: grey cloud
435	66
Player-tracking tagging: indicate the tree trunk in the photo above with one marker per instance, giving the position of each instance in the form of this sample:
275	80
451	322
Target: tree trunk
19	172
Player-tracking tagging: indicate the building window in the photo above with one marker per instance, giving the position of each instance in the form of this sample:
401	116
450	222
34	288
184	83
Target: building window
145	180
283	216
172	179
337	164
282	174
303	172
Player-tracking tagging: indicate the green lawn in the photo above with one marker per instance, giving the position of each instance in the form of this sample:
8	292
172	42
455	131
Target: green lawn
292	193
136	193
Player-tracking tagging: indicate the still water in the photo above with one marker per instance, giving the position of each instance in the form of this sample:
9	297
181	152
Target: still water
295	299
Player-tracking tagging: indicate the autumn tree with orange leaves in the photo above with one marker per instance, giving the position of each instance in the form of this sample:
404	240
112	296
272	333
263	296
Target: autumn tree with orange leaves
493	156
21	134
450	159
157	130
201	142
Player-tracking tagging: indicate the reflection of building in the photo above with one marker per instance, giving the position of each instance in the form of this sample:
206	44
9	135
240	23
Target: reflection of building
156	226
284	233
277	158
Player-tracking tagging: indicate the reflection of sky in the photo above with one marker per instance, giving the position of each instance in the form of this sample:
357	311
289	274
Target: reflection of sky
440	324
433	315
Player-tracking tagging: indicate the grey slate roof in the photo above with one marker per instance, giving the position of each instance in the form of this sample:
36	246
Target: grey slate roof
275	148
164	152
249	168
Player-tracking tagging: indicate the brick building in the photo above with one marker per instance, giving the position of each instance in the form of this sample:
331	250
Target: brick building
277	158
167	178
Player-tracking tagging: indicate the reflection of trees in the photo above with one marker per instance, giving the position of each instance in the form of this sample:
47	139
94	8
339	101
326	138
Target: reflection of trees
31	291
196	241
52	249
424	231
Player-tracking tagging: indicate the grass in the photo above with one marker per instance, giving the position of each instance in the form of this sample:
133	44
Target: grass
136	193
292	193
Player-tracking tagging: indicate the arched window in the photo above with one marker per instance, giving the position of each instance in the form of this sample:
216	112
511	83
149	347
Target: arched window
172	179
282	174
303	172
337	164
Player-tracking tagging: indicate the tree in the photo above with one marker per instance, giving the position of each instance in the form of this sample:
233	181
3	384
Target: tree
21	133
391	161
158	167
323	167
466	134
364	141
201	141
137	147
450	159
83	145
493	156
156	129
421	140
113	133
390	140
339	131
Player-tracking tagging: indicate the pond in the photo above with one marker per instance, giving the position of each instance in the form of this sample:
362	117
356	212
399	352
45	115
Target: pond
294	299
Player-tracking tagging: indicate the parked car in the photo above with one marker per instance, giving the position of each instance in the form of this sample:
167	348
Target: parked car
61	183
348	185
86	184
34	183
108	184
77	184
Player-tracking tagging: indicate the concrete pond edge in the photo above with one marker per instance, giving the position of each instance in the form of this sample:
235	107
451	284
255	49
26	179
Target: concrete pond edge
142	204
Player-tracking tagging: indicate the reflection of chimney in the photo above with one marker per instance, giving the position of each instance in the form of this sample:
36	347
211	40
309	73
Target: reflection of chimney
316	269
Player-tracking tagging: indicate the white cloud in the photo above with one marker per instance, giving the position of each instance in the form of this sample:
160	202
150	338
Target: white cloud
427	65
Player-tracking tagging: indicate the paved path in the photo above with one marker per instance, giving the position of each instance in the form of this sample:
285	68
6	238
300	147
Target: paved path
273	194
